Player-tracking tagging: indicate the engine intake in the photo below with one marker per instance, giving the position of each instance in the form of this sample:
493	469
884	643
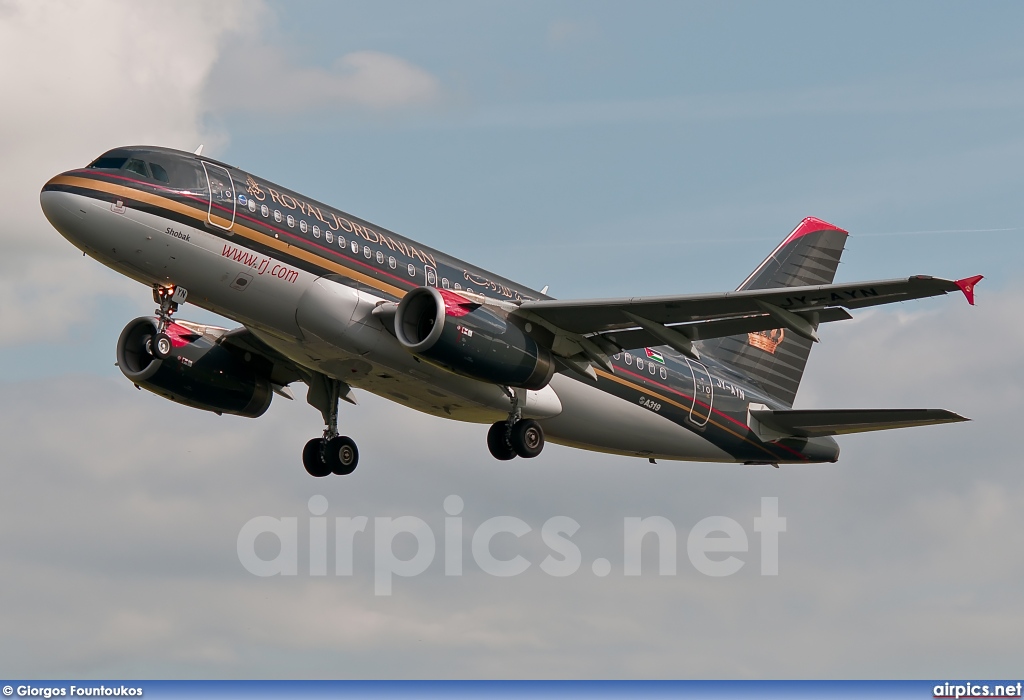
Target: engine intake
199	372
470	339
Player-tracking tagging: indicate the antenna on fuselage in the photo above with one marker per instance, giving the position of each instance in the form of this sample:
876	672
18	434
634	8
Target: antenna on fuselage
545	290
199	151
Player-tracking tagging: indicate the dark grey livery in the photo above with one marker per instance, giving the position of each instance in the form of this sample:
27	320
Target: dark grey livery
332	301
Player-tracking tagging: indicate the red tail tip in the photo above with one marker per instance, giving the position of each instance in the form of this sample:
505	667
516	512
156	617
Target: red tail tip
967	287
812	225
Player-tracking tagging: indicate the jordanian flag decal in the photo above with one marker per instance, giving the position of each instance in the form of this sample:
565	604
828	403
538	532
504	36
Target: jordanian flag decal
654	355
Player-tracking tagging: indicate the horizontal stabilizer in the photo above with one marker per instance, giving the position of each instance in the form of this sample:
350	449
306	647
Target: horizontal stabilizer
771	425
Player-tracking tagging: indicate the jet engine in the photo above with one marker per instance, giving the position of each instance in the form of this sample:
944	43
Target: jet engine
470	339
199	372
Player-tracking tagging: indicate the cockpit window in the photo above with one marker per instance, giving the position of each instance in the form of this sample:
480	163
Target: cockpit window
180	172
159	173
136	166
111	162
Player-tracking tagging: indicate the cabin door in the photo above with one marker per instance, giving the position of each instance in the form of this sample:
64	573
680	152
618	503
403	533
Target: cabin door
703	393
220	211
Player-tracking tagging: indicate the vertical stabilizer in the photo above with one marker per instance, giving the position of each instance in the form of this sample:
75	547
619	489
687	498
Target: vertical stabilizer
776	359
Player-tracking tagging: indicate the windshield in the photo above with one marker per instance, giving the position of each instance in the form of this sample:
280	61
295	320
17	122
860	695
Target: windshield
176	171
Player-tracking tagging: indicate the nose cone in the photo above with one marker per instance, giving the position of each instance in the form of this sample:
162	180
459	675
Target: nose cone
60	208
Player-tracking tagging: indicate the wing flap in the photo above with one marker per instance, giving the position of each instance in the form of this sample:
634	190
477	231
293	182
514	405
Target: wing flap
705	330
819	423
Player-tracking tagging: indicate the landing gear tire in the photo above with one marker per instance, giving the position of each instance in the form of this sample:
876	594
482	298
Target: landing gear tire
161	346
341	455
527	438
313	459
497	442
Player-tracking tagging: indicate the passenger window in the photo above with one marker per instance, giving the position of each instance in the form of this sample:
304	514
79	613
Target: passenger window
136	166
392	263
412	270
316	231
629	359
380	258
444	282
664	373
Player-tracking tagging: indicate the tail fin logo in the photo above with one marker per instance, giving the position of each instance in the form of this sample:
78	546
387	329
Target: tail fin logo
766	340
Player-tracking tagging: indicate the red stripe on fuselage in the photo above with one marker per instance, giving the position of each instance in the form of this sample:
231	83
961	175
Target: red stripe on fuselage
727	417
238	215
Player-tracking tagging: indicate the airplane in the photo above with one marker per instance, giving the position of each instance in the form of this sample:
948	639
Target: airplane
332	301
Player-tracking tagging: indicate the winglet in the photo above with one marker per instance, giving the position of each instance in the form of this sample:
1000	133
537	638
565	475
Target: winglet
967	287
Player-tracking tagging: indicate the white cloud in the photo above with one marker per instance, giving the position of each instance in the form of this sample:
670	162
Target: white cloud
567	33
259	77
81	78
78	79
901	560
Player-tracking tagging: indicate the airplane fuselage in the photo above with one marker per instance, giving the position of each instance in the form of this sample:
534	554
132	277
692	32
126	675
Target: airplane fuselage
305	279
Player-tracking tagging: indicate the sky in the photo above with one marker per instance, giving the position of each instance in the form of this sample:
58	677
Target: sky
599	148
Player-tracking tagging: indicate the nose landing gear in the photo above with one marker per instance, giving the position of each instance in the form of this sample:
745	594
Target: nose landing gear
332	453
168	298
515	436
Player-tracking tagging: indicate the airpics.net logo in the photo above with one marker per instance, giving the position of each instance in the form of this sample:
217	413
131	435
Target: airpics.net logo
715	546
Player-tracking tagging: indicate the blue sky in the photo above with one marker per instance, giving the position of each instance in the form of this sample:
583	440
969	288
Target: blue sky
675	132
601	149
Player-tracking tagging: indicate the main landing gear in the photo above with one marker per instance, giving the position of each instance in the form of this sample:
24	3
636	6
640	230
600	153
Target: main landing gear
168	299
332	453
515	436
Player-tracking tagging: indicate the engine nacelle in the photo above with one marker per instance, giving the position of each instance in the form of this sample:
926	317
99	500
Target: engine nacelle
469	339
199	372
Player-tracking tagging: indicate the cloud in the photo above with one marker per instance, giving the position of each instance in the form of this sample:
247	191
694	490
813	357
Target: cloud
262	78
901	560
79	79
73	88
566	33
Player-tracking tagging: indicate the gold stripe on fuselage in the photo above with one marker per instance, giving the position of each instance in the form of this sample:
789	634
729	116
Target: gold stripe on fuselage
644	390
246	232
242	230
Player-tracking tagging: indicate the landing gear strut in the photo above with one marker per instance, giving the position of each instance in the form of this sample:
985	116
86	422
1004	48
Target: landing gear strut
515	436
168	299
332	453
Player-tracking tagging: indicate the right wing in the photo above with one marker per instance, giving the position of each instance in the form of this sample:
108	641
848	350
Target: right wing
594	328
